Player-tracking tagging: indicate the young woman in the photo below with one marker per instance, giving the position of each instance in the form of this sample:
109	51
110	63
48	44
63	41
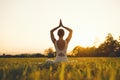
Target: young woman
60	44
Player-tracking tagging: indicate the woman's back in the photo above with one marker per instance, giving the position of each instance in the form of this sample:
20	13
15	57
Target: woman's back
61	48
61	55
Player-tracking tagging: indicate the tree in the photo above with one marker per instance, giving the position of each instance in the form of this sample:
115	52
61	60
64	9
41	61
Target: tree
84	52
109	47
49	52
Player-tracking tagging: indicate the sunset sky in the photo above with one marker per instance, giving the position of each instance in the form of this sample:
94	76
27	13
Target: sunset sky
25	24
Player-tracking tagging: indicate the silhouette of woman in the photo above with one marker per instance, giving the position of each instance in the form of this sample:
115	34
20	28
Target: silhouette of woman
60	44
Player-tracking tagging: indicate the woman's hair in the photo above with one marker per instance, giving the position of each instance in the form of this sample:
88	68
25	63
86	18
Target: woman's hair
60	32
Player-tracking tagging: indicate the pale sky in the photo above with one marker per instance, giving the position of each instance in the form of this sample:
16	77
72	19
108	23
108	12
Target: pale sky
25	24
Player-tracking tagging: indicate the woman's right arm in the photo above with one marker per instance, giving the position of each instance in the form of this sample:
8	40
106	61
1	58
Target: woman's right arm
69	35
52	35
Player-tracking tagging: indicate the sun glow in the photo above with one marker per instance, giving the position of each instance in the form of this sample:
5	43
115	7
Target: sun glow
85	39
25	24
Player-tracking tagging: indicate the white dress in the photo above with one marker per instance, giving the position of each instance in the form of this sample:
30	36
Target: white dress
61	55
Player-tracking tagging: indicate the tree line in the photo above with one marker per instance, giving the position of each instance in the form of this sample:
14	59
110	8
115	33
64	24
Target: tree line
108	48
35	55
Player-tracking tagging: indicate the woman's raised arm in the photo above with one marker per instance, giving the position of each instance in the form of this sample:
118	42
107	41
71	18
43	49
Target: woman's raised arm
52	35
69	35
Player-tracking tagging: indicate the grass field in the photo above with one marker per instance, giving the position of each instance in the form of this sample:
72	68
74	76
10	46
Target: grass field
75	69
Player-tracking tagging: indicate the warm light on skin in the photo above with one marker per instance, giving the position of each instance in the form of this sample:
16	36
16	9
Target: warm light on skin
25	24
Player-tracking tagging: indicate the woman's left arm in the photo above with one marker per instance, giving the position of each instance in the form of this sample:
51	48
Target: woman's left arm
52	35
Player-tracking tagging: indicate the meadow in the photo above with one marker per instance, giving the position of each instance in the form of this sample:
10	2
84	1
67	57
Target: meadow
82	68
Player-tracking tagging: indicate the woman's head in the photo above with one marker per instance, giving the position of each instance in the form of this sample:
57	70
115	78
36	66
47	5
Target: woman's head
60	32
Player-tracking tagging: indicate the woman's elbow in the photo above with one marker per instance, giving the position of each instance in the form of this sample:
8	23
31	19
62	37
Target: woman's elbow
51	31
71	30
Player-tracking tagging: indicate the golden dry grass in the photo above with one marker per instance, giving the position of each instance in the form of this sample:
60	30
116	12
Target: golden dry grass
75	69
